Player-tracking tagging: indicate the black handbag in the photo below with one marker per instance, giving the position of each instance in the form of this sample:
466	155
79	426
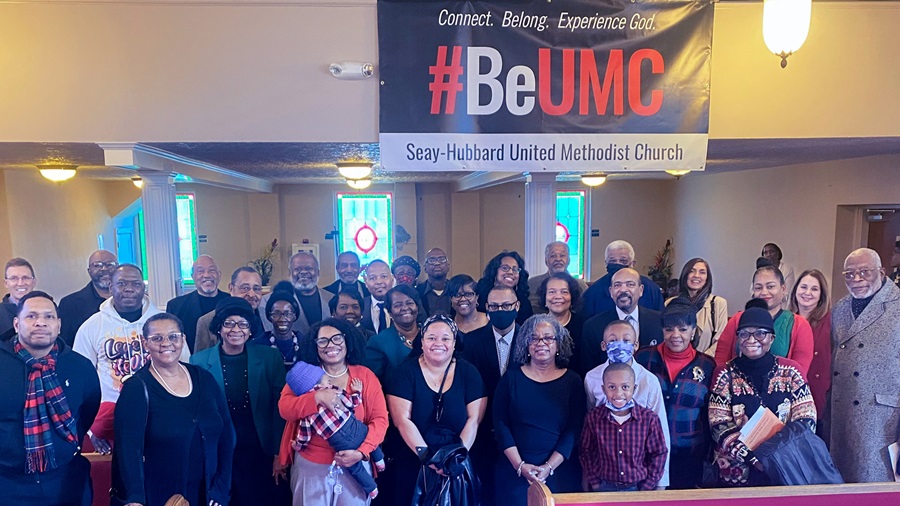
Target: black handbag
457	487
797	456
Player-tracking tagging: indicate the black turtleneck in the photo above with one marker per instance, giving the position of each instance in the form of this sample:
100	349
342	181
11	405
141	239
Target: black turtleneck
757	370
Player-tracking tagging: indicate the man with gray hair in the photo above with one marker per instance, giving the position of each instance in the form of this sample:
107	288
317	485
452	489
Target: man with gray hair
865	388
619	255
191	306
313	302
556	258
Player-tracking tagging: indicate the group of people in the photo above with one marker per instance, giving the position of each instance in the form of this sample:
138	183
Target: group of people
379	388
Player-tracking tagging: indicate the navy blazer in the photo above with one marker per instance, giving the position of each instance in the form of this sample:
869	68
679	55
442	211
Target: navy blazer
187	308
265	379
588	354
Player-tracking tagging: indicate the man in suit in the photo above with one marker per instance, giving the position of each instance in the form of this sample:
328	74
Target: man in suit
375	315
191	306
246	283
619	255
313	302
77	307
865	387
489	349
556	258
625	289
347	268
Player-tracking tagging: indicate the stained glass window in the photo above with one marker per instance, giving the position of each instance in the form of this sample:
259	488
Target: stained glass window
570	227
365	225
188	251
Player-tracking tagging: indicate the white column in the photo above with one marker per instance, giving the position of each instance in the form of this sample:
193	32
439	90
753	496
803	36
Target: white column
540	219
161	231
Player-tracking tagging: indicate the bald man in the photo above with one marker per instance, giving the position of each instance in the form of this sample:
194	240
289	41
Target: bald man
865	383
77	307
191	306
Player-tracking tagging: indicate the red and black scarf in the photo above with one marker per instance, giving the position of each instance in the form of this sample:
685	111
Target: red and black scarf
46	410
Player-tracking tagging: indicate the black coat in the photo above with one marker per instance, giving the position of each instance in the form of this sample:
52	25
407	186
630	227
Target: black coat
75	309
188	309
588	354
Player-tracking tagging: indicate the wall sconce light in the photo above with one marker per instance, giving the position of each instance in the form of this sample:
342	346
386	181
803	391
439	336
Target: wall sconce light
593	179
355	170
138	181
352	70
678	173
57	173
785	26
359	184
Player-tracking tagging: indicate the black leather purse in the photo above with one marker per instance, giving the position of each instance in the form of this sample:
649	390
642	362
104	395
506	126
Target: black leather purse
457	487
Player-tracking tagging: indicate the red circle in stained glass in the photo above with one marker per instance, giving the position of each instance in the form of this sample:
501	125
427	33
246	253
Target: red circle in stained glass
365	238
562	233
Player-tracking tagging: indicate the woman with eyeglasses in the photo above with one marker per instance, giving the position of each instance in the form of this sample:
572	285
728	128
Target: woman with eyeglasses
464	304
539	408
385	350
282	311
810	299
436	402
506	269
317	475
755	380
793	335
251	377
173	429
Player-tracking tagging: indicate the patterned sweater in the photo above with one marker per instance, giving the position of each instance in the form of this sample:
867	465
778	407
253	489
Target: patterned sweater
735	399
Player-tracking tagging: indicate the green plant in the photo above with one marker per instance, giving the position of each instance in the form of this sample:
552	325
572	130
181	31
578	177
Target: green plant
661	270
266	261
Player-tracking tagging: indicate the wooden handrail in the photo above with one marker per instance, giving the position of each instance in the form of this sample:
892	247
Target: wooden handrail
96	457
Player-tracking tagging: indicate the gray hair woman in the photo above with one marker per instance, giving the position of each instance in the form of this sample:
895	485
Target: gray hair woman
538	411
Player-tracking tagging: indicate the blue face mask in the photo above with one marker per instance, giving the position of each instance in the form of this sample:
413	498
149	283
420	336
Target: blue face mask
628	405
619	351
614	268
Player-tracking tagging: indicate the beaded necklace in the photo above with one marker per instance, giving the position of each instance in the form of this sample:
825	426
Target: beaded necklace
245	404
296	348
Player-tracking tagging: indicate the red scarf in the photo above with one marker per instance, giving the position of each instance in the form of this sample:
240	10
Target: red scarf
675	362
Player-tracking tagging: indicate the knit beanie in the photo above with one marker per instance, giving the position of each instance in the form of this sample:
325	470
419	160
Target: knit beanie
303	377
230	306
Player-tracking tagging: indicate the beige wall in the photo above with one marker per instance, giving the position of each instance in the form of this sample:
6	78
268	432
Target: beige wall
727	217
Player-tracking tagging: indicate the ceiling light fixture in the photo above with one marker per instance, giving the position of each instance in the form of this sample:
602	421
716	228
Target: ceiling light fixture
57	173
359	184
138	181
785	26
678	172
355	170
593	179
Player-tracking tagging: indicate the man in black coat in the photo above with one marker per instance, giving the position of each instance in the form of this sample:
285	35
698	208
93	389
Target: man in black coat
347	268
77	307
191	306
52	470
625	289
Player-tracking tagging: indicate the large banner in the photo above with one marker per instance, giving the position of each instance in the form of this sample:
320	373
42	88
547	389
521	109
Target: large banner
561	85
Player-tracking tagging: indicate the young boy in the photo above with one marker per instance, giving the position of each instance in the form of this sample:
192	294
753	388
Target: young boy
622	443
619	342
340	428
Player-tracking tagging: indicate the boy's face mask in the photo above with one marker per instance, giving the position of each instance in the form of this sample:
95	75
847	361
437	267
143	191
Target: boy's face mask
620	351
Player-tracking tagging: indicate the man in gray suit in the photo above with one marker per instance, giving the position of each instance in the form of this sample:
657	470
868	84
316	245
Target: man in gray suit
865	390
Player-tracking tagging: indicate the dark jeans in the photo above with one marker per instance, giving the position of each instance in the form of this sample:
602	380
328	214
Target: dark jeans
69	485
349	437
612	486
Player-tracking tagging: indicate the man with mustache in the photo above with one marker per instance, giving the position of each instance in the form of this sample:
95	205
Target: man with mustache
626	290
191	306
313	302
437	268
556	258
246	283
619	255
347	268
77	307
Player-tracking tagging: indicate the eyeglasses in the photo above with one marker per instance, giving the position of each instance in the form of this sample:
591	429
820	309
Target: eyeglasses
278	315
543	339
173	338
130	284
506	306
865	273
249	288
436	260
16	279
759	335
509	268
463	295
230	324
103	265
337	340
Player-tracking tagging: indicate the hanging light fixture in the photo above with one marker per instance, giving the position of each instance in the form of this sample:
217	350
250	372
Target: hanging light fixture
785	26
677	172
355	170
359	184
138	181
57	173
593	179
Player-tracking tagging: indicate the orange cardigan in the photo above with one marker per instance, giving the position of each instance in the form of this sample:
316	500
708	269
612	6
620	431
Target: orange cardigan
800	349
372	411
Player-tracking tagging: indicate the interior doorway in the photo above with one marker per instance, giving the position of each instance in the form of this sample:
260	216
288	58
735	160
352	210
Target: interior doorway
884	233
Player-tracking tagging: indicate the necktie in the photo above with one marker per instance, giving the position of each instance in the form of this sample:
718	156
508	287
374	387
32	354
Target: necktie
630	319
503	352
382	319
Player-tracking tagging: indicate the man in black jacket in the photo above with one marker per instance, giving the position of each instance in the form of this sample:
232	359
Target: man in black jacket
191	306
77	307
49	399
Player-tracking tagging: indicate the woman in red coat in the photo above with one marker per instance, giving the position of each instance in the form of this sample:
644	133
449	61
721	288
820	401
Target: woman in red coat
809	299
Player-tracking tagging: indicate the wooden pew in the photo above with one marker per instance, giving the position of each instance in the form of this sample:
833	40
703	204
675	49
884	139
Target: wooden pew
856	494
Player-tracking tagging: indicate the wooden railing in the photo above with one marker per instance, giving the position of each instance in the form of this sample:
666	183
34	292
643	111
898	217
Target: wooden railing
857	494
